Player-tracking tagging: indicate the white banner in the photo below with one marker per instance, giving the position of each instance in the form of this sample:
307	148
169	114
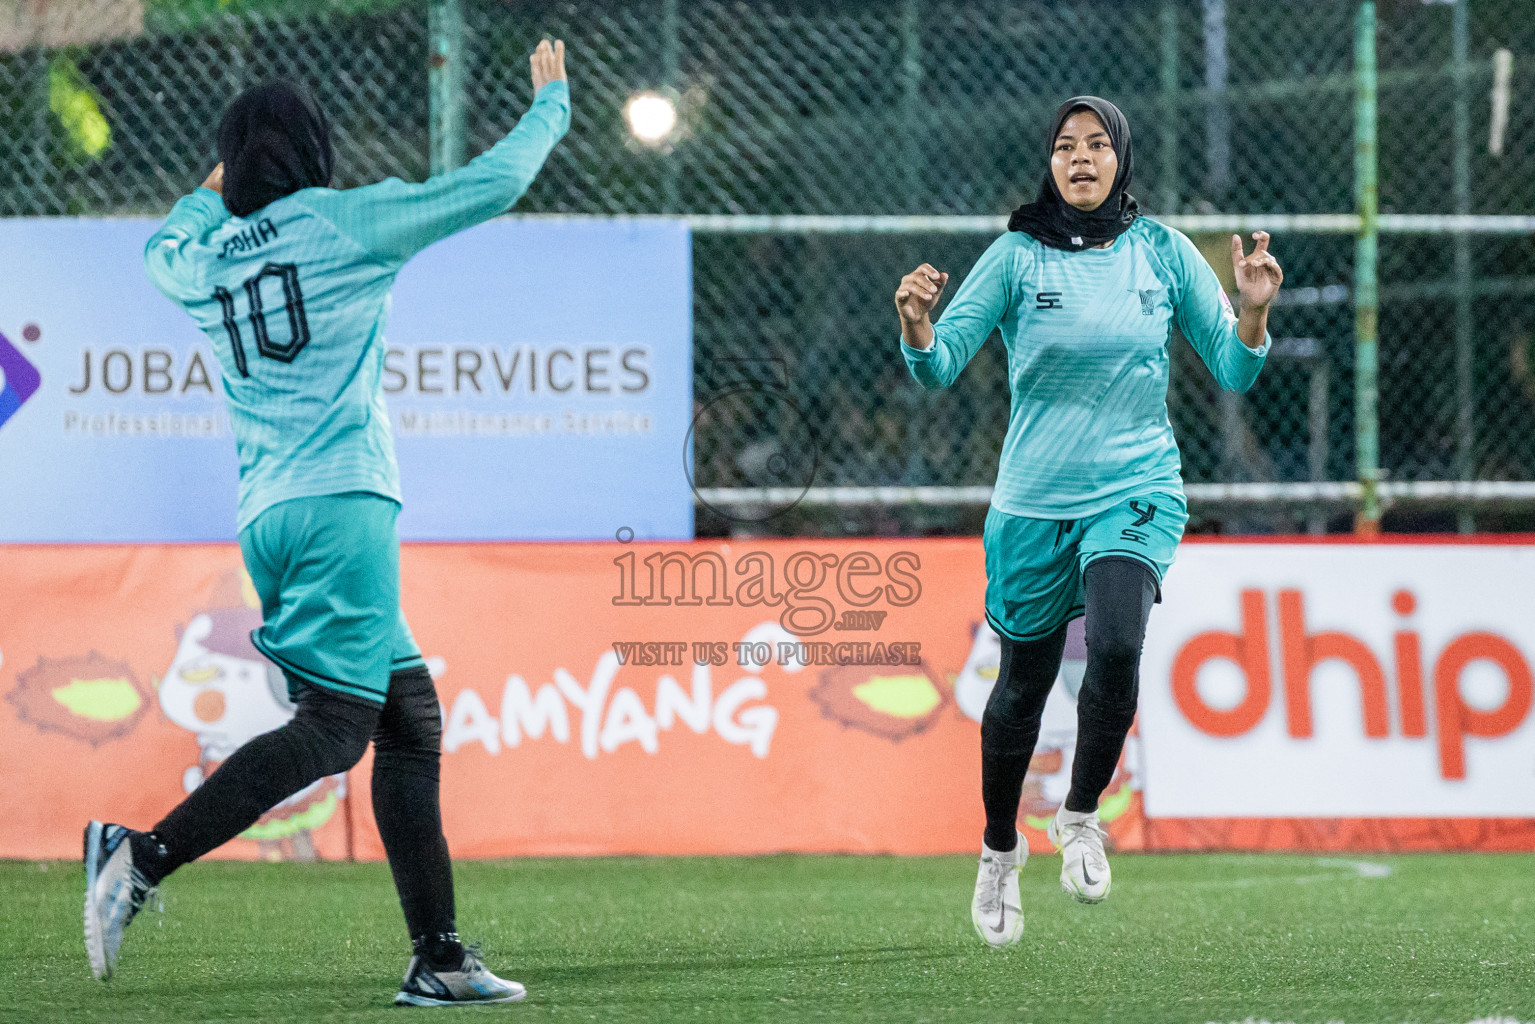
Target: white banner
1342	680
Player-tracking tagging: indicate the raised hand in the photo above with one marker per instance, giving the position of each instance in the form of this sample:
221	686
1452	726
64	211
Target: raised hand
548	63
1259	275
918	293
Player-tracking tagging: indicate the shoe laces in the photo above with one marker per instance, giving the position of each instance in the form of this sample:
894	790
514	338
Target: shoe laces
995	871
1088	836
140	892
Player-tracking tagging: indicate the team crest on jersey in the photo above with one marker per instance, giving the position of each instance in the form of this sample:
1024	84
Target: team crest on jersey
1148	297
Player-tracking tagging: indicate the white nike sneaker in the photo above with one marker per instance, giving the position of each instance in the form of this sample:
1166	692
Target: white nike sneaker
996	911
1084	865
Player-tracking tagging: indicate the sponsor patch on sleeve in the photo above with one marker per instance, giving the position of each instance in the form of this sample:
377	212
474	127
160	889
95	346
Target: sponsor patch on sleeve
1231	314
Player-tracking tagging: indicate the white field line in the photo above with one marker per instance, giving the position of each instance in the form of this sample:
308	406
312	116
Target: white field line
1343	870
1365	868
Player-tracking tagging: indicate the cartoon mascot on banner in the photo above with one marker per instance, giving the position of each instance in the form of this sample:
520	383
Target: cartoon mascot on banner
1044	789
221	689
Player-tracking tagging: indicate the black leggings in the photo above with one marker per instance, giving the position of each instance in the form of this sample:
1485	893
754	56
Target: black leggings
1120	593
328	735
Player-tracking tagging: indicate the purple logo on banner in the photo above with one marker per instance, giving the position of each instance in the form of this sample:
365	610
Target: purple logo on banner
19	379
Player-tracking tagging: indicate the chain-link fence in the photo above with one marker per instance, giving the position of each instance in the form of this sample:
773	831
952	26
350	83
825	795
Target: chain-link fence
899	107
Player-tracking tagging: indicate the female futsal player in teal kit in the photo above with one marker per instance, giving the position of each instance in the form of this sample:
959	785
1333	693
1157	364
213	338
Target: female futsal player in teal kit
1088	506
290	280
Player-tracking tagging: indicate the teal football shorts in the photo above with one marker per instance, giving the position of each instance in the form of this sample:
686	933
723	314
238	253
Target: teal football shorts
327	570
1034	567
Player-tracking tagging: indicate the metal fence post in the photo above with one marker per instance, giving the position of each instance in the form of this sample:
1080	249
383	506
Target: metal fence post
445	80
1167	171
671	77
1217	107
1465	394
1366	257
911	108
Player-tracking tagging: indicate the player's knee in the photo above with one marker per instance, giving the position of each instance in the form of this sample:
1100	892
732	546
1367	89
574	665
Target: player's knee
1114	653
348	750
339	743
332	731
1005	708
414	733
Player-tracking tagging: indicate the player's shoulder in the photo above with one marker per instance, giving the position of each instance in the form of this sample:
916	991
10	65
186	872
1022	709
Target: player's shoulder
1013	249
315	202
1159	235
1015	241
326	201
1167	245
320	215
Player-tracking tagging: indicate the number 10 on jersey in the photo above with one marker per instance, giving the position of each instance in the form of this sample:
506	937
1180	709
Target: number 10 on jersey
272	275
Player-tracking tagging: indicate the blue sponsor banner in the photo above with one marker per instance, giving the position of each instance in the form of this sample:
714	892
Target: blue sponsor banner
539	382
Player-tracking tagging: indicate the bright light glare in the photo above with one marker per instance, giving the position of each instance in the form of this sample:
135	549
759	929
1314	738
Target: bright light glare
651	116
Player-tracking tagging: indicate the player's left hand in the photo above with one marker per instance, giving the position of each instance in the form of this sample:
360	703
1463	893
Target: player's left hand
548	63
1259	275
216	180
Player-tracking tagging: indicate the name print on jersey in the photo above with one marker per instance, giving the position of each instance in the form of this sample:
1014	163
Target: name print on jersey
1048	300
249	240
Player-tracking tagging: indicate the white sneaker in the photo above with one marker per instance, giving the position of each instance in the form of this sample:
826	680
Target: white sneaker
115	891
1084	865
471	983
996	911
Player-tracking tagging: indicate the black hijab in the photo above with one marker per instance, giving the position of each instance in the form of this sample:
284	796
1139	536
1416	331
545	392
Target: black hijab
1058	224
273	141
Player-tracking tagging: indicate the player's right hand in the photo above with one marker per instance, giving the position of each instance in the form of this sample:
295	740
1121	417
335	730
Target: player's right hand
548	63
919	292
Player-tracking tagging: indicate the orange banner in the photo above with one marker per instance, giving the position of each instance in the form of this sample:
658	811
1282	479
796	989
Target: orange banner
599	698
703	698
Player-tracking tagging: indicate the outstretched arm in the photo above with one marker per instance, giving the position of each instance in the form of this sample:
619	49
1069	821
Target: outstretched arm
395	220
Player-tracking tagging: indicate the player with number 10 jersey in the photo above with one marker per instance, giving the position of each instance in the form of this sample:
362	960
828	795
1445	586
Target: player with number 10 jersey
295	299
290	279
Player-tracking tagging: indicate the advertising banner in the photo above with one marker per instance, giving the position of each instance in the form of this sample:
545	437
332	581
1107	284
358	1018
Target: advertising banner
1335	694
539	380
598	698
750	697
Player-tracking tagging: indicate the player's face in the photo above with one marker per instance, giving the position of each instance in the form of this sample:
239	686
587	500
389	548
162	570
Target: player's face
1083	161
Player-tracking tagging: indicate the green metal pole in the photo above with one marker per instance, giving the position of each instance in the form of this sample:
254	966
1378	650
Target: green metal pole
671	61
1366	255
445	80
911	108
1168	170
1465	392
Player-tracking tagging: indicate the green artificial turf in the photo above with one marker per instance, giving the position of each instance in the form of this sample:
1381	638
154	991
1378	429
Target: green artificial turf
1182	939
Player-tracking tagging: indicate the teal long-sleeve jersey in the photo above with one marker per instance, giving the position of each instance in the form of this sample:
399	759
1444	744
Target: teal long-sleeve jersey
1087	335
294	299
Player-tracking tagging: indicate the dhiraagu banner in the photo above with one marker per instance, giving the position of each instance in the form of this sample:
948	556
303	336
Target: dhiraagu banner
538	375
